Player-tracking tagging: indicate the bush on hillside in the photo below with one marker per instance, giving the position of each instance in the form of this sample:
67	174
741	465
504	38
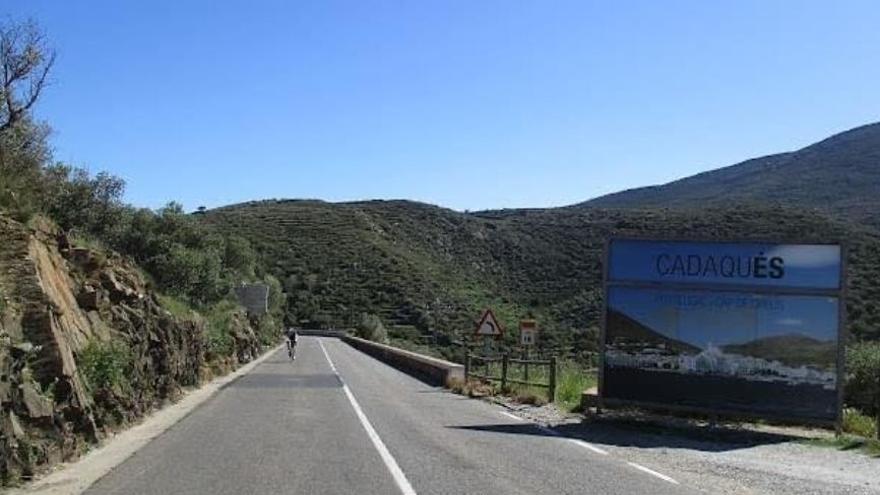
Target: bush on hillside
106	366
371	328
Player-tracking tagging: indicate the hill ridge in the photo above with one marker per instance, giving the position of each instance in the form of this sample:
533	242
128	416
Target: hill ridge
839	175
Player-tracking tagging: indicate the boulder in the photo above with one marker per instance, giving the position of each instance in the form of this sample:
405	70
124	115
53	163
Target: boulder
118	291
11	427
90	299
37	405
84	258
5	390
22	349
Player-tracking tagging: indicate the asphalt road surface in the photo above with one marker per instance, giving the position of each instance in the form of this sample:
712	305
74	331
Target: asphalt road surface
337	421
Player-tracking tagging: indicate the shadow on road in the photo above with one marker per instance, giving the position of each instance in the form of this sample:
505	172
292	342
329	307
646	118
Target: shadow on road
646	435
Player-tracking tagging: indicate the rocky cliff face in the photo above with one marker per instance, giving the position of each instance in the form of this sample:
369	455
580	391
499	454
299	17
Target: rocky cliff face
62	306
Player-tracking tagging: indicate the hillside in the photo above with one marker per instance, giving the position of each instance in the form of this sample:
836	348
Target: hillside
839	175
431	269
87	347
791	350
628	330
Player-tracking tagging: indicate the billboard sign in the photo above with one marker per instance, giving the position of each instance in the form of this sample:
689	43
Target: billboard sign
740	328
254	298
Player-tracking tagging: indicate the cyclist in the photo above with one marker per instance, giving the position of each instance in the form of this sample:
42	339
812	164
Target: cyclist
291	342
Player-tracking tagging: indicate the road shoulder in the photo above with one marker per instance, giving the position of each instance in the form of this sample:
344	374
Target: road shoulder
76	477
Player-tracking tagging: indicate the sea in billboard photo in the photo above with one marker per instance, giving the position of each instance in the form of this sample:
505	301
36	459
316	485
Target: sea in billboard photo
731	351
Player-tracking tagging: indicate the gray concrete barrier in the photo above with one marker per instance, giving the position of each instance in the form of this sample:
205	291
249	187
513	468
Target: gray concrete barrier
426	368
322	333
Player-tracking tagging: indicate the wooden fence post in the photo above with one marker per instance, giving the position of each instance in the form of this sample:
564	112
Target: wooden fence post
526	364
552	388
504	359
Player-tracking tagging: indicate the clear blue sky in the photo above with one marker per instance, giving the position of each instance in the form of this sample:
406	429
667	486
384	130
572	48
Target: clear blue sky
466	104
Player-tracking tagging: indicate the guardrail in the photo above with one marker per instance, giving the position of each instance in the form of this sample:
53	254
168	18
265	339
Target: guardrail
426	368
506	376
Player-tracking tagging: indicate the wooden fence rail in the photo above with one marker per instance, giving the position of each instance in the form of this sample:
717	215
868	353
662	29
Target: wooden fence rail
472	370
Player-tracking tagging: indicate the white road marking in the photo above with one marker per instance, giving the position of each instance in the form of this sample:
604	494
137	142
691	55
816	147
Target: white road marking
387	458
579	443
511	416
588	446
652	472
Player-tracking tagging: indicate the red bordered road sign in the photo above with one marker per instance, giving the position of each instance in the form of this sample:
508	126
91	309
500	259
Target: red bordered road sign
489	326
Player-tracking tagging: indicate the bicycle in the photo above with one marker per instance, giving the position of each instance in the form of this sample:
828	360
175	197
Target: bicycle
291	349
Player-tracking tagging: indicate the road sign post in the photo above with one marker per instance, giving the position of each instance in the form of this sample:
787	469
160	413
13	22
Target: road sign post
528	332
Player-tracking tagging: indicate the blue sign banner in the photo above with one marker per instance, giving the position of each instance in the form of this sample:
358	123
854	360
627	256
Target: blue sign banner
811	266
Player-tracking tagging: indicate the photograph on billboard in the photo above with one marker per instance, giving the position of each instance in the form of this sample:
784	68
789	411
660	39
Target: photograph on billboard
758	352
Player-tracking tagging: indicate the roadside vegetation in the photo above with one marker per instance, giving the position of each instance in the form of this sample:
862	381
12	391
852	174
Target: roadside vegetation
863	390
370	327
395	271
572	379
106	365
192	264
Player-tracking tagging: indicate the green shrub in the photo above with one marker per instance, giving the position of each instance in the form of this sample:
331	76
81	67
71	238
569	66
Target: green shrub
219	330
863	379
525	394
572	380
177	307
106	365
268	330
858	424
371	328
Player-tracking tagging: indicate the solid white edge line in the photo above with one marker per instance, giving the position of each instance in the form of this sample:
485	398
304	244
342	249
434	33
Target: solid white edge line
330	361
511	416
652	472
387	458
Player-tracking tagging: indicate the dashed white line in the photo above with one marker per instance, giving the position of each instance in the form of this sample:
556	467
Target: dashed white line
579	443
511	416
588	446
400	477
397	473
652	472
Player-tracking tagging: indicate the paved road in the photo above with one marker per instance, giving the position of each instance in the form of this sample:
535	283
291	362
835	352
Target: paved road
337	421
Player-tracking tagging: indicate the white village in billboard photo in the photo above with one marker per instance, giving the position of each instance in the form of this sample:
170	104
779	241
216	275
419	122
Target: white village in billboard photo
714	361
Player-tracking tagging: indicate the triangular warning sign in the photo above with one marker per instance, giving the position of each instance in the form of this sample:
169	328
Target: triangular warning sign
488	325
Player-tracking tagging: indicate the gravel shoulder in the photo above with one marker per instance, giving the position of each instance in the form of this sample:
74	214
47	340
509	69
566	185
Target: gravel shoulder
726	458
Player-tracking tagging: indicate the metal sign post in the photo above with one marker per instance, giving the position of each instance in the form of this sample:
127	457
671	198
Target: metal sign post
528	336
488	329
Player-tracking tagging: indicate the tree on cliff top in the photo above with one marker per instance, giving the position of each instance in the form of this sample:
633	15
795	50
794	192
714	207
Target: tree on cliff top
25	60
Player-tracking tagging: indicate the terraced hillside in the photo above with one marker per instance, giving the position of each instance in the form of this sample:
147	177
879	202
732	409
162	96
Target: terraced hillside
431	269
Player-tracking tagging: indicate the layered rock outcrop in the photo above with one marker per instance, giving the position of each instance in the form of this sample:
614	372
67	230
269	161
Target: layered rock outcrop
56	303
